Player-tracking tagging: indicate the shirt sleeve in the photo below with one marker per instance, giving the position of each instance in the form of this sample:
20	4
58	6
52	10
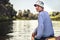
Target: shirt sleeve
40	27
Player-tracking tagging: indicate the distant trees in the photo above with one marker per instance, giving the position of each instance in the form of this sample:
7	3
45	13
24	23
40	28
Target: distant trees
55	16
26	14
20	14
55	13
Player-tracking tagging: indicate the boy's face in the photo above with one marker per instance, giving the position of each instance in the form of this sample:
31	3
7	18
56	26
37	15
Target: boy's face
38	8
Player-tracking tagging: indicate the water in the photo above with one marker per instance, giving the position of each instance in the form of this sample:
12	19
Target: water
22	29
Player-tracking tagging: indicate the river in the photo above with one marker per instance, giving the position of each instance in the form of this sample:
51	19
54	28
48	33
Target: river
22	29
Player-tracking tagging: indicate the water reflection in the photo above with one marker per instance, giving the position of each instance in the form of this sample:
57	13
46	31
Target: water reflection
5	28
22	29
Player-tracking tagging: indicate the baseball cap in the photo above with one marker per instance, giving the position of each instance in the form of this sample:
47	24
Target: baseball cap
39	3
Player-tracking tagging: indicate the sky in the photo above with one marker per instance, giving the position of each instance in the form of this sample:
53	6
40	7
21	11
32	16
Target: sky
49	5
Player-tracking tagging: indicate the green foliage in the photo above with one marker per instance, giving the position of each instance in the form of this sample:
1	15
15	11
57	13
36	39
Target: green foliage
26	15
55	16
6	10
7	13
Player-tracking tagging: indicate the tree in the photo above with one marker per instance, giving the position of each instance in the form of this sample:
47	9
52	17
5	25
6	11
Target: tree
20	14
25	13
28	11
4	1
6	14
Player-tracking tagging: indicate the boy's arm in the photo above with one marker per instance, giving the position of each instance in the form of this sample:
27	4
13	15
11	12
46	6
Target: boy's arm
34	34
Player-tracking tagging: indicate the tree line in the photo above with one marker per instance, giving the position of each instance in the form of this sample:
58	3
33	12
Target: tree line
55	16
26	14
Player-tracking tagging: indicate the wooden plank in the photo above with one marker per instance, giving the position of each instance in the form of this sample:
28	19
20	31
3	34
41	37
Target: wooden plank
54	38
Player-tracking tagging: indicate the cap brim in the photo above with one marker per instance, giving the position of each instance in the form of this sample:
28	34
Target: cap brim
36	5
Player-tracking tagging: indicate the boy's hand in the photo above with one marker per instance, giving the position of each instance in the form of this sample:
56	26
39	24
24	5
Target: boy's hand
32	38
